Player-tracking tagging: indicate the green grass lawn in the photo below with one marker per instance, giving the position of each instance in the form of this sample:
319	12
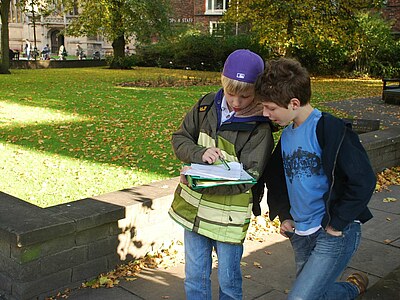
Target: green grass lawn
68	134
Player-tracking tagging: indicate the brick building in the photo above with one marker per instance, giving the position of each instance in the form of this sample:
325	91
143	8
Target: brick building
209	12
392	12
206	13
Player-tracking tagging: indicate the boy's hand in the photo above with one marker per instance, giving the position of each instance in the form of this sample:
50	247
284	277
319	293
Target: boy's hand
182	178
330	230
287	226
211	155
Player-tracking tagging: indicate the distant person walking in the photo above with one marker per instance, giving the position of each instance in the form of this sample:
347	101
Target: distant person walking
27	49
79	52
46	52
62	53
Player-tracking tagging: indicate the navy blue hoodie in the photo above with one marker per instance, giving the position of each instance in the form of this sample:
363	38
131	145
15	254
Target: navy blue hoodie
346	164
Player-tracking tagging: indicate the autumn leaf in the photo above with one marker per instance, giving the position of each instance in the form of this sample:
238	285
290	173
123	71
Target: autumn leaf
103	280
387	177
389	199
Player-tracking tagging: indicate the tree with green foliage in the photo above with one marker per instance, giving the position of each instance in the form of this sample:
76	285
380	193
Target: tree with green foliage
5	55
375	51
119	21
285	25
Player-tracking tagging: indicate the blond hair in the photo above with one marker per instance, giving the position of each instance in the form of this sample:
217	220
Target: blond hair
235	87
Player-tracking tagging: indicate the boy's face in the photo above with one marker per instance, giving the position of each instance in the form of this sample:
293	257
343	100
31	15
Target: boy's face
280	115
238	102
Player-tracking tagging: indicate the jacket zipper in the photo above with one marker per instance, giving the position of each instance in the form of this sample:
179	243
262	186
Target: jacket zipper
333	178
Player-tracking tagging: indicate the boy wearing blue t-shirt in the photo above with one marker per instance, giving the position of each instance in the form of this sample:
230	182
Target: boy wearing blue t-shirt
319	183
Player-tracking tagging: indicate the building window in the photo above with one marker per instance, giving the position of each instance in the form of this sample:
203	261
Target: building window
217	28
217	6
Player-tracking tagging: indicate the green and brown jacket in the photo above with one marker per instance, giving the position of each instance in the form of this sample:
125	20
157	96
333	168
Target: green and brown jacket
221	213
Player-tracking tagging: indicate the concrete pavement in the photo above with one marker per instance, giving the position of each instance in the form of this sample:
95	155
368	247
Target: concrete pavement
268	266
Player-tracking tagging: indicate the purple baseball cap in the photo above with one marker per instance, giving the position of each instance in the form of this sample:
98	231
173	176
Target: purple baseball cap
243	65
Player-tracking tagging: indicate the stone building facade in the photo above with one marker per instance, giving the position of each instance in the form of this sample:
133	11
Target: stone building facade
48	30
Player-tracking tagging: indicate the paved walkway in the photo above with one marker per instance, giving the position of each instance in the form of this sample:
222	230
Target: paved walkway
373	108
268	267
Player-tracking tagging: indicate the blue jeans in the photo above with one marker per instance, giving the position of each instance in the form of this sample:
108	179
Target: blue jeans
320	260
198	265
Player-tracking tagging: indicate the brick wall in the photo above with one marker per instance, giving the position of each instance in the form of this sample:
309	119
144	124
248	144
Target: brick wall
43	251
392	12
383	147
193	11
42	64
182	11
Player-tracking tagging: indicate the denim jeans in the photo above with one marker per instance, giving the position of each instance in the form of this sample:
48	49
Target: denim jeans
198	265
320	260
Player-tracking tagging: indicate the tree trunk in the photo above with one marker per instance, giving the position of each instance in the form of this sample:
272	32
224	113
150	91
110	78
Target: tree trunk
5	54
119	52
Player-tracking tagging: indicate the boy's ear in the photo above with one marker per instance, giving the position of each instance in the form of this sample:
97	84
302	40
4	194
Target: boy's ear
295	103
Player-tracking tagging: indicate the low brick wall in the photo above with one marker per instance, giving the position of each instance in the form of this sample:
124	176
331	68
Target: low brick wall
383	147
43	64
43	251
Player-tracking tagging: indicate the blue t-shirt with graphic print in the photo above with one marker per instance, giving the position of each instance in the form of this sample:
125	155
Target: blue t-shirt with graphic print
305	177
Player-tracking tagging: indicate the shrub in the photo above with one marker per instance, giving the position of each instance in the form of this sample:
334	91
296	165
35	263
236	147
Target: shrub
194	51
126	62
375	50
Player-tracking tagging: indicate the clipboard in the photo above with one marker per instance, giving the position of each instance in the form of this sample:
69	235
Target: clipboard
200	183
203	176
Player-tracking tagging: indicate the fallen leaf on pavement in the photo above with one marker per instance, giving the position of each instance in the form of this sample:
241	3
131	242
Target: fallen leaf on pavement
389	199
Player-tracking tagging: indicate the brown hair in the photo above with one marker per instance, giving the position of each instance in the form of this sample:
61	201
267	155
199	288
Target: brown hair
283	80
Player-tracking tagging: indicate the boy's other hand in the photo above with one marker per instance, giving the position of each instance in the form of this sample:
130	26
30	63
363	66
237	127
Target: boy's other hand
183	178
287	226
330	230
211	155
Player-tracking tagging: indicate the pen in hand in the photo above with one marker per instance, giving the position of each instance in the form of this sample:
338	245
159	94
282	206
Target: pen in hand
225	163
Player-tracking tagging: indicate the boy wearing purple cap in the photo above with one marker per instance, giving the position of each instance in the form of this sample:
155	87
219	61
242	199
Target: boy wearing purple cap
227	124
